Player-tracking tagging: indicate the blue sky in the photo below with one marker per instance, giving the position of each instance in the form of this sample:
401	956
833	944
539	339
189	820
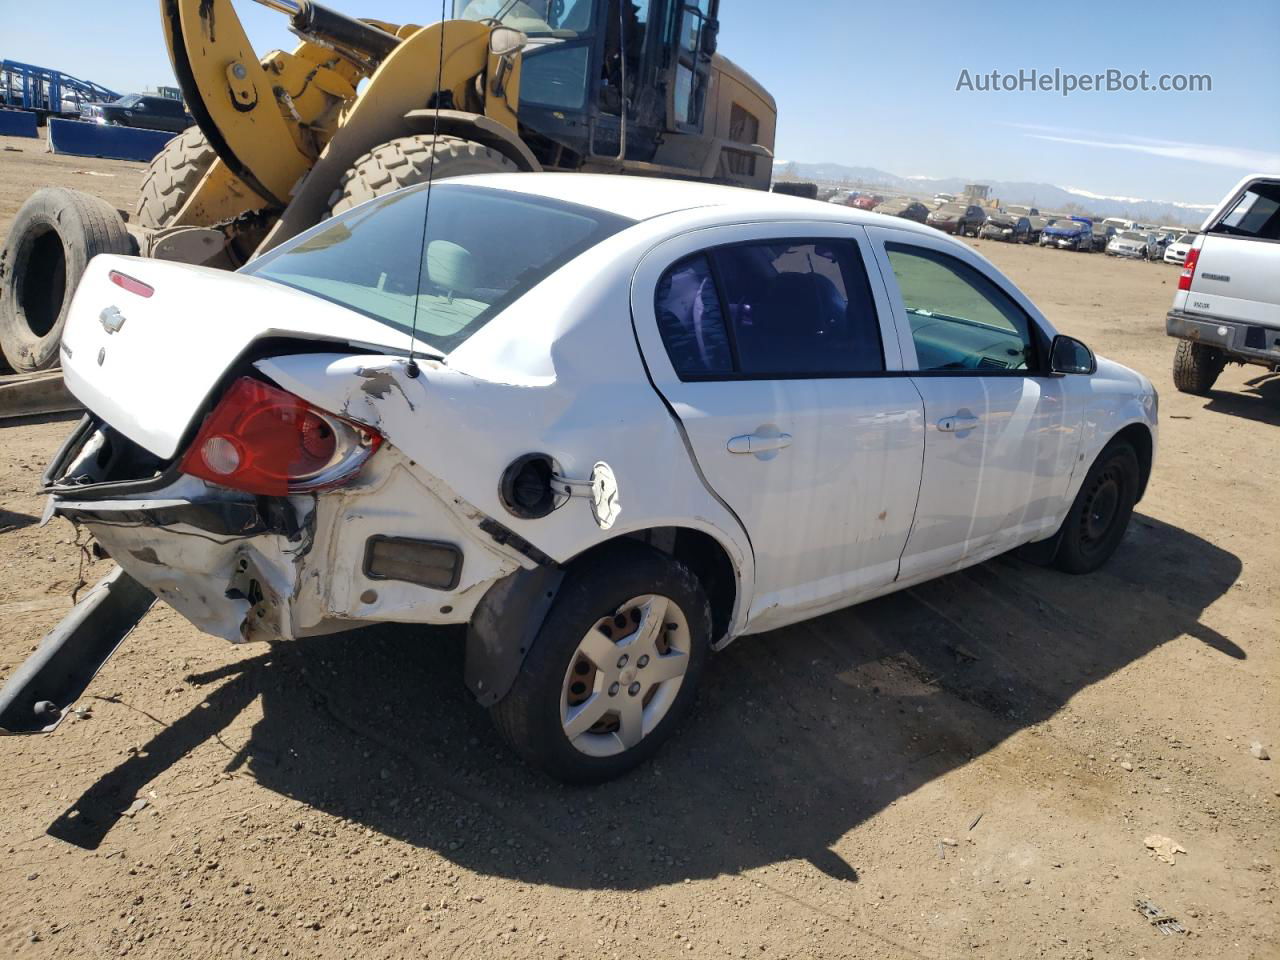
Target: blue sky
874	84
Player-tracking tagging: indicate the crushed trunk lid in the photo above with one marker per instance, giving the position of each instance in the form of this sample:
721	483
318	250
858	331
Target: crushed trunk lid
146	341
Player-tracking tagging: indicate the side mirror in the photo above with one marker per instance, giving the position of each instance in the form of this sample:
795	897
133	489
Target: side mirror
504	41
1069	355
710	33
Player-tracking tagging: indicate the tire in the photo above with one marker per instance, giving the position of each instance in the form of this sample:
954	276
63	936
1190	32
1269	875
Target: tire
1196	367
52	240
173	177
406	161
532	717
1098	518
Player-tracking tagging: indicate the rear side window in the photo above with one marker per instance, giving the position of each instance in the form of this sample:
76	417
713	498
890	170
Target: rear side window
770	310
688	309
1256	213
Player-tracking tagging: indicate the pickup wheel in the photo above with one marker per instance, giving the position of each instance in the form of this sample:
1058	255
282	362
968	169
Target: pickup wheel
1100	514
1196	367
613	670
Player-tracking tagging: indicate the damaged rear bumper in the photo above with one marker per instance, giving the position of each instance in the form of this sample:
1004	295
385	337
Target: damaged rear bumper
247	567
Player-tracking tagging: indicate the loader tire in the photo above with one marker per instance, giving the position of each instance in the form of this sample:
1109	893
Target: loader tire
172	177
1196	367
406	161
55	235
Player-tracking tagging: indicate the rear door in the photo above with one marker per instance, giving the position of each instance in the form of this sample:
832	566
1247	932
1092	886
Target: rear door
1237	275
1000	435
775	350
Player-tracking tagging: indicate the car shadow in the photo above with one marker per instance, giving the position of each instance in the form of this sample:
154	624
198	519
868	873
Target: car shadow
1260	402
11	520
799	735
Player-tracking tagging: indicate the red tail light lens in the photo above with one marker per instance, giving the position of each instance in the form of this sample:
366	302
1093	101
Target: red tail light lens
263	440
1188	269
126	282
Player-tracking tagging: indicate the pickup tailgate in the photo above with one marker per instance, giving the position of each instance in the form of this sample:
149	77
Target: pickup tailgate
1237	275
146	341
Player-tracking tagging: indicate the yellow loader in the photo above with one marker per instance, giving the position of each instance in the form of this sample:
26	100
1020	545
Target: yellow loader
362	107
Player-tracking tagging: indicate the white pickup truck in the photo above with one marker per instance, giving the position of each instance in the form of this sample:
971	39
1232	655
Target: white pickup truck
1227	306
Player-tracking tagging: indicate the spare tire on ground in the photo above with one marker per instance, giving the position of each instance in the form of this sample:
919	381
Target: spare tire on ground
51	241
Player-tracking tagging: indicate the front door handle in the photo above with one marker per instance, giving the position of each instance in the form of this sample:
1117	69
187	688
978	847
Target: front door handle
957	424
758	443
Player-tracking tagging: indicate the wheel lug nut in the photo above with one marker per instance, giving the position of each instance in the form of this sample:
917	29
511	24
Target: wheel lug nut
643	661
622	661
613	689
634	688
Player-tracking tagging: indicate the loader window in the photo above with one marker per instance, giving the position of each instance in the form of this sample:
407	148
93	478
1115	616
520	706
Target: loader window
534	18
484	248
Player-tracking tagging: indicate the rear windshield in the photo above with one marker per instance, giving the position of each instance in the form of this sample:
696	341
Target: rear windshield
484	248
1256	213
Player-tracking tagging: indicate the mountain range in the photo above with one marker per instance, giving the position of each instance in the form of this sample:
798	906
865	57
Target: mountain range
1045	196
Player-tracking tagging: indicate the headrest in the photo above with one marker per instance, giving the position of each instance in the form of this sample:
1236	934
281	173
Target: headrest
450	266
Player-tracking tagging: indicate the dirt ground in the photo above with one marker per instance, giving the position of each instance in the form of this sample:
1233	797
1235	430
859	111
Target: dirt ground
25	165
969	768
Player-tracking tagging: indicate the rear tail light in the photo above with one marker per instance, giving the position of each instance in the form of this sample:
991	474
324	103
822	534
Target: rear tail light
1188	269
260	439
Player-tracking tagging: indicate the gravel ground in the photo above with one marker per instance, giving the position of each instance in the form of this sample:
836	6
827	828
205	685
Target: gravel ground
969	768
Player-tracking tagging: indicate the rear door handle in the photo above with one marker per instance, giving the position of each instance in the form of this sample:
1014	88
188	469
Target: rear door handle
755	443
957	424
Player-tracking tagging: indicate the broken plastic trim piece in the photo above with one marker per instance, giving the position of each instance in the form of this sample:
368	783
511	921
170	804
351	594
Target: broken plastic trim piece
39	693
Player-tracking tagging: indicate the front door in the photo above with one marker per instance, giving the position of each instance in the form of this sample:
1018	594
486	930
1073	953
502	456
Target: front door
771	346
999	444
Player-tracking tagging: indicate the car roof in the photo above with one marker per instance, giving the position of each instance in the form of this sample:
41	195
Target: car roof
643	198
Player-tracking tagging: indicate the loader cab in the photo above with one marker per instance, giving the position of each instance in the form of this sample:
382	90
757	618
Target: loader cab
592	66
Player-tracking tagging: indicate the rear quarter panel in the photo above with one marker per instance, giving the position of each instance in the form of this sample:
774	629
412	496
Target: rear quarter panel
558	373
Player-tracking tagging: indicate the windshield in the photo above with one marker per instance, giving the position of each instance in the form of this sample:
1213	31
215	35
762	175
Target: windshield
484	249
128	100
1127	235
535	18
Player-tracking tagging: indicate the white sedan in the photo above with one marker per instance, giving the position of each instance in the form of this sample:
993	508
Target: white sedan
610	423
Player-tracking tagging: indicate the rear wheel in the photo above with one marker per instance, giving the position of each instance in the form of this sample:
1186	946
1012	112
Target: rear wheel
51	241
408	160
1100	514
172	178
613	670
1196	367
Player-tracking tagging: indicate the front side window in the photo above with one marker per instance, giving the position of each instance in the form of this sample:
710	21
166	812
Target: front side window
770	310
960	319
482	249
